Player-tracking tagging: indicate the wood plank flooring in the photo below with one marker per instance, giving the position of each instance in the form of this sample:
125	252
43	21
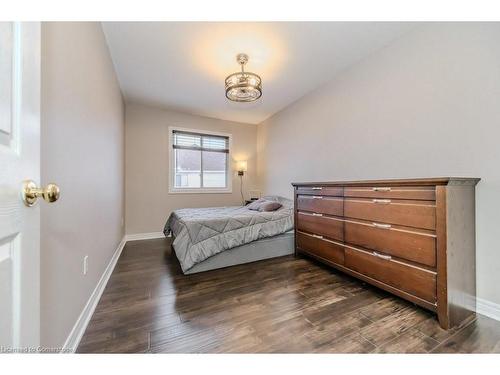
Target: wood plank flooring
282	305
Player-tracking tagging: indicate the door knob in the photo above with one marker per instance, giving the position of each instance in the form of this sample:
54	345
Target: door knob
31	193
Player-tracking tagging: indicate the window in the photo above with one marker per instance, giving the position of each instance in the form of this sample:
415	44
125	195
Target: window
199	161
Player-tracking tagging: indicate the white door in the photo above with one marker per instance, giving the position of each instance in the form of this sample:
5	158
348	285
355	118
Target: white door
19	160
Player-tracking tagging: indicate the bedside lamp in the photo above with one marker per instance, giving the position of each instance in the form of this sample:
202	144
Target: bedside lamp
242	167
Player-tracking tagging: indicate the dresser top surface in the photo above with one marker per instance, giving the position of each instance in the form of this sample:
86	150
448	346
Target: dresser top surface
399	182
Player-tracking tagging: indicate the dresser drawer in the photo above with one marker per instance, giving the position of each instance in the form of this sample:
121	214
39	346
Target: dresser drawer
414	280
321	247
417	214
321	190
321	204
407	243
322	225
427	193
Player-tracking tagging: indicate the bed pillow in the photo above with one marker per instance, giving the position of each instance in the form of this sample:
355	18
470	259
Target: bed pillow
255	205
268	206
285	202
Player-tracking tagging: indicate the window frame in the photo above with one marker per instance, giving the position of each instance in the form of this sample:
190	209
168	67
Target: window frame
199	190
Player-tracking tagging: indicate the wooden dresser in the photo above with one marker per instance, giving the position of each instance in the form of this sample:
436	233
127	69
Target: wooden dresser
414	238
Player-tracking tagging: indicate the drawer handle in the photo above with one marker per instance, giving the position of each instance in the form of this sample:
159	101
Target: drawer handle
382	201
386	257
317	197
315	214
381	189
383	226
317	188
317	236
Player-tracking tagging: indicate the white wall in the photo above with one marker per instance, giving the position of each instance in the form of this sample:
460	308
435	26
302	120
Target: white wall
148	203
82	150
427	105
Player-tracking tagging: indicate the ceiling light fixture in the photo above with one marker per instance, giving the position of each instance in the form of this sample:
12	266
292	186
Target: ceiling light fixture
243	86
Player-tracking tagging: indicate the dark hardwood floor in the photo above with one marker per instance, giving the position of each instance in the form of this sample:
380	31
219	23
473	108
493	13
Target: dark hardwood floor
282	305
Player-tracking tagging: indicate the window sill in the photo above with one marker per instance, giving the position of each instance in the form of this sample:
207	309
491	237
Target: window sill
200	191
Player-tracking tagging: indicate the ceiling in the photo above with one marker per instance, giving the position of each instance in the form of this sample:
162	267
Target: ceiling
182	65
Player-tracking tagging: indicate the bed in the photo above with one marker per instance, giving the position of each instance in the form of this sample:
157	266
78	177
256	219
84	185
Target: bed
217	237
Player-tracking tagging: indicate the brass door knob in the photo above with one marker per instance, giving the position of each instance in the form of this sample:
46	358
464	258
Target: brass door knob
30	193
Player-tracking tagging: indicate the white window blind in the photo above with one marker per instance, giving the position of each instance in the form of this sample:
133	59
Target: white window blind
202	142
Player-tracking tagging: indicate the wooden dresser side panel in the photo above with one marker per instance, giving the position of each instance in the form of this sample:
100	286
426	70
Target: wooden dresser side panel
295	211
461	252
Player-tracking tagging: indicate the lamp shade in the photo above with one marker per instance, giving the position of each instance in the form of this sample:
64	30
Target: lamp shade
242	166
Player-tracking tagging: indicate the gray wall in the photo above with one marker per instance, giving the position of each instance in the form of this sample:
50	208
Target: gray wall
82	150
148	203
427	105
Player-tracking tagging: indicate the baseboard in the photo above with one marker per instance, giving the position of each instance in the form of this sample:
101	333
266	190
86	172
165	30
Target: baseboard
80	326
144	236
488	308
